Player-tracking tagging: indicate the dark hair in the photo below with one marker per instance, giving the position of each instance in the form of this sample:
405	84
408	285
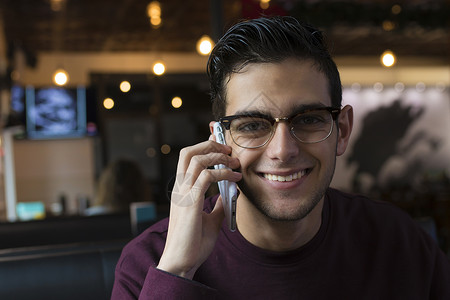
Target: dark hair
266	40
120	184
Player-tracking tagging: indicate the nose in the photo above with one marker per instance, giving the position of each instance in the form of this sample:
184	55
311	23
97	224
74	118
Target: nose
283	146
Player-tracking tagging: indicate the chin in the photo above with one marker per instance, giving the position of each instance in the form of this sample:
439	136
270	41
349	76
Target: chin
288	213
288	206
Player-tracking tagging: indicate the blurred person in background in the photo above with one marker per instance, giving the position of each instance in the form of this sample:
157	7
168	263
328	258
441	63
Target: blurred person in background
121	183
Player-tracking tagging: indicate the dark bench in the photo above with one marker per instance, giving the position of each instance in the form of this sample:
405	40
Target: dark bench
75	271
65	230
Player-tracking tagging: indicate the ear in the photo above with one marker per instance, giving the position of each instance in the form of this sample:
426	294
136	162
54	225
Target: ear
211	127
345	123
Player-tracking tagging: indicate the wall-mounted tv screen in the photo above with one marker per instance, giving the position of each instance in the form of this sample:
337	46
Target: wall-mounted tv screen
54	112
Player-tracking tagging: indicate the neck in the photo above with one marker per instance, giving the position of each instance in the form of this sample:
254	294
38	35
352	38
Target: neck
273	235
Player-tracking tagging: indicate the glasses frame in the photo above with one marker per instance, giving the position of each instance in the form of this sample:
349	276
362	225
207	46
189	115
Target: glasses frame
226	123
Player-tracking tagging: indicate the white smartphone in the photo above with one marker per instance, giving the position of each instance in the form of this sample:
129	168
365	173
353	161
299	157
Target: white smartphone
227	189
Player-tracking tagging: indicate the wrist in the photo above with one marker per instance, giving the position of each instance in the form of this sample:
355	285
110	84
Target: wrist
169	267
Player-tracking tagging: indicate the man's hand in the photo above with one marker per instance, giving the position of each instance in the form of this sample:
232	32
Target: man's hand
192	233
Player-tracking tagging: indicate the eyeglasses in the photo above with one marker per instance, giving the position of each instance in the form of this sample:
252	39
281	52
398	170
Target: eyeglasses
255	130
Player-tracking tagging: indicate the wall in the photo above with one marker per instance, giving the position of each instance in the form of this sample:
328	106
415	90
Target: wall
365	70
47	168
400	138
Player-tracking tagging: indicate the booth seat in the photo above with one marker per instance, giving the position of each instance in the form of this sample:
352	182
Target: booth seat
75	271
65	230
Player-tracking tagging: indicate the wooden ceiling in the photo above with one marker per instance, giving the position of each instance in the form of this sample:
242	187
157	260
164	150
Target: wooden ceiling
354	28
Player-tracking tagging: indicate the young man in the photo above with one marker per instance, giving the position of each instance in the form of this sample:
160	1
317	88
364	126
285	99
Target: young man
277	93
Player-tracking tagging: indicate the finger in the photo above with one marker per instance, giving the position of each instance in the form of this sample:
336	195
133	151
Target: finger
202	162
206	147
187	194
209	176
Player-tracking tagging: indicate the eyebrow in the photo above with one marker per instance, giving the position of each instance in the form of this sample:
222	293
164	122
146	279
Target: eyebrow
294	110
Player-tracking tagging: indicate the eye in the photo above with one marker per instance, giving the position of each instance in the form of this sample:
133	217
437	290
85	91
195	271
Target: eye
308	120
251	125
312	119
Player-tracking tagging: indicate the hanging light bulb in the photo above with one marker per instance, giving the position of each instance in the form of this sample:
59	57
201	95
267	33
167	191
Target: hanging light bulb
177	102
388	58
57	5
159	68
154	13
264	4
205	45
60	77
125	86
154	9
108	103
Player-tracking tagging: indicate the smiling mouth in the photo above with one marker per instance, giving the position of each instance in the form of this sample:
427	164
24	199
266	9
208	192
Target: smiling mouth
291	177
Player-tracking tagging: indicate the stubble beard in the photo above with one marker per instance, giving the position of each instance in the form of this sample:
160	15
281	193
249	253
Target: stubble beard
304	208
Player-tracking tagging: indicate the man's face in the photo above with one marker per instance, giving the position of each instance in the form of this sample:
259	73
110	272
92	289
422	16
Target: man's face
278	90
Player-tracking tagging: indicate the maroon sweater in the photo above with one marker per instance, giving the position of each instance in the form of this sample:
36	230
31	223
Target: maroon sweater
363	250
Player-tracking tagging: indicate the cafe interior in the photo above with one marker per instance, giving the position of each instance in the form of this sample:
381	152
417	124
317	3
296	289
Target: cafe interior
93	89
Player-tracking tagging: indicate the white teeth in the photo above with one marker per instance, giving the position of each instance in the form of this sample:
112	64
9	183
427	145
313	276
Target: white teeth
291	177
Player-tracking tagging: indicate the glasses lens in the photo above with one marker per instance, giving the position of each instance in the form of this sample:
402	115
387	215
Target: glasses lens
313	126
250	132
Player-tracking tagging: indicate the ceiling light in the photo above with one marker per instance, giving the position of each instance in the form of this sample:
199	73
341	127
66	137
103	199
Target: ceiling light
378	87
154	9
388	25
56	5
156	22
388	58
205	45
159	68
60	77
165	149
154	13
108	103
356	87
151	152
420	87
264	4
440	86
396	9
125	86
399	87
177	102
